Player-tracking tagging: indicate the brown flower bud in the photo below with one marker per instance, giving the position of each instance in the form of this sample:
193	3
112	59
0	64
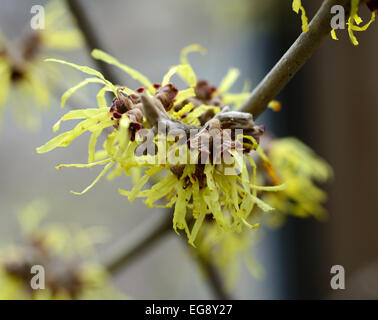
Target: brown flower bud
167	95
204	91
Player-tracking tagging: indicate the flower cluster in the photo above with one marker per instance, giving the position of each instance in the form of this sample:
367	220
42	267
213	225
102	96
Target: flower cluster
196	148
354	20
24	78
67	256
191	150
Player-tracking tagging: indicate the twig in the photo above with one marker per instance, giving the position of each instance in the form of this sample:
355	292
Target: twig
212	275
91	39
124	254
293	60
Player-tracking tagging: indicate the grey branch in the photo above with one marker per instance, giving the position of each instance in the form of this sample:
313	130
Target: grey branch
126	252
212	275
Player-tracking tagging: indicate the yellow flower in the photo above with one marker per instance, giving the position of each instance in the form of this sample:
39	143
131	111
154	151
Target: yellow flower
228	251
224	192
207	100
24	78
125	115
301	170
66	254
355	20
221	188
59	33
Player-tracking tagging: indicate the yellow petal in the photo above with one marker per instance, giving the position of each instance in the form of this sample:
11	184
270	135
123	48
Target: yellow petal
4	82
191	48
84	69
62	40
186	72
83	165
183	95
92	145
79	114
100	55
98	178
101	100
66	95
228	80
333	35
297	5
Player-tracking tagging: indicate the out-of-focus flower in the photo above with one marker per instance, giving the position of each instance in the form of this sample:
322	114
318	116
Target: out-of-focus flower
248	13
211	178
67	256
301	170
228	251
354	20
25	81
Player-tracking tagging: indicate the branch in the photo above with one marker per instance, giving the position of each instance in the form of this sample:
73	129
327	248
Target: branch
91	39
293	60
124	254
212	275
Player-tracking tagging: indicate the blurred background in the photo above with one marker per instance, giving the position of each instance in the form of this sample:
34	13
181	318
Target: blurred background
331	105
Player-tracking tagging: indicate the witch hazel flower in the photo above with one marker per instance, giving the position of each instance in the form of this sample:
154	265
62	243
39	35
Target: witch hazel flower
229	251
198	165
66	254
208	99
24	78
